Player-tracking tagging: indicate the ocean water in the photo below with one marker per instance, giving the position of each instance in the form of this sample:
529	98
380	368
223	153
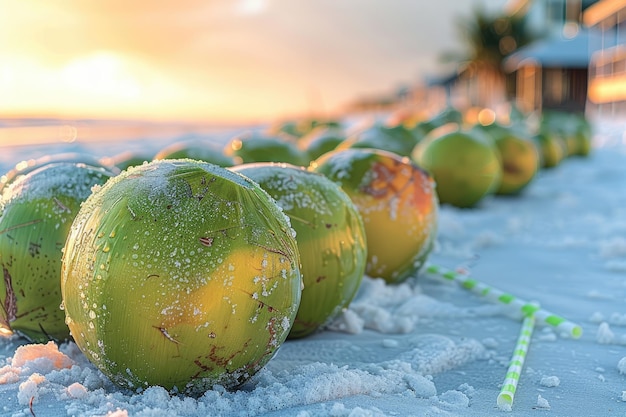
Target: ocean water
24	139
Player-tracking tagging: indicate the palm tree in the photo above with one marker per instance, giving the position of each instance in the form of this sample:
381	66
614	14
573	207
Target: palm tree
488	40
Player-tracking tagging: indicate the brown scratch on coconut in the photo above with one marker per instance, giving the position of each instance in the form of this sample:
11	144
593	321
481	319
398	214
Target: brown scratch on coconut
10	302
17	226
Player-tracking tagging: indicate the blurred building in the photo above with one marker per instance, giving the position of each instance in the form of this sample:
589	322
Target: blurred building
577	63
553	72
549	17
607	70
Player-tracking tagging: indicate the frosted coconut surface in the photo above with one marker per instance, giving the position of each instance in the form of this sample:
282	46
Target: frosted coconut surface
423	348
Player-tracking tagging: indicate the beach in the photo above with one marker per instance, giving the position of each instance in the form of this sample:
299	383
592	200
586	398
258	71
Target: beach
428	346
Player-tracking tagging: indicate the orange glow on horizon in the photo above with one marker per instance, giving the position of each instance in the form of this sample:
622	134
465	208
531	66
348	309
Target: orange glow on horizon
113	60
105	84
222	60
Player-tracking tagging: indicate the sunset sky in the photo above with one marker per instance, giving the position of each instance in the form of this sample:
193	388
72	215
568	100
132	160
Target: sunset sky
217	60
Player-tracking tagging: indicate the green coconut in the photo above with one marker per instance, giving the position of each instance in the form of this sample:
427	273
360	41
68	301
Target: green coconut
36	212
298	128
574	128
259	147
330	236
181	274
552	148
397	202
201	150
320	140
466	165
24	167
396	139
447	115
520	159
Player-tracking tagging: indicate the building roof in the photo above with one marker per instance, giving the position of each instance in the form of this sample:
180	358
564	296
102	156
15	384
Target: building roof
512	7
557	52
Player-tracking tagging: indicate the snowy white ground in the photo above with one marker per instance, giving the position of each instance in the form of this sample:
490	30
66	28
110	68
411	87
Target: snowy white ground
423	348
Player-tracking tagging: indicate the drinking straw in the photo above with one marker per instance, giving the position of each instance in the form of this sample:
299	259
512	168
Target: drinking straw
498	296
507	392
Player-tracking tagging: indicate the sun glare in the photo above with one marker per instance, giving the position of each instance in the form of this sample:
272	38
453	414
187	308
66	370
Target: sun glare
78	65
100	84
251	7
101	73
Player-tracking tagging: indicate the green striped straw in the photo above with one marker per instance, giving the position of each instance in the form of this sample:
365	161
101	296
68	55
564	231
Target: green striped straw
495	295
507	392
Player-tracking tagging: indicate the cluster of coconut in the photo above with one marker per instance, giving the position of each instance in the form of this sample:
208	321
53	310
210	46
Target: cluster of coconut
191	267
472	161
189	271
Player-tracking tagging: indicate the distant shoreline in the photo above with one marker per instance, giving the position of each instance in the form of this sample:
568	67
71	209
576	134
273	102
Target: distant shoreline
44	131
